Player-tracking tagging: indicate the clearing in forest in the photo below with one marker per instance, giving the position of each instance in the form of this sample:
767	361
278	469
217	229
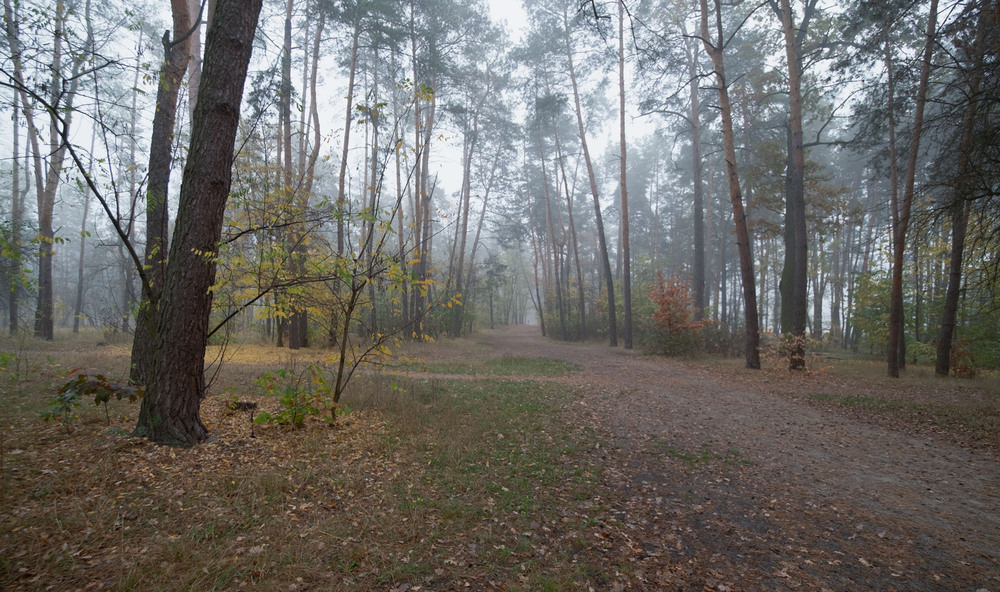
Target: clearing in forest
510	462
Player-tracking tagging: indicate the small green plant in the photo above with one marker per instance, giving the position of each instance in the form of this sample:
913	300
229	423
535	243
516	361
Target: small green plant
62	408
16	363
97	386
299	395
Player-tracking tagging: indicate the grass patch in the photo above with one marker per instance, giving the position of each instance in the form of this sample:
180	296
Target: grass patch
502	366
444	484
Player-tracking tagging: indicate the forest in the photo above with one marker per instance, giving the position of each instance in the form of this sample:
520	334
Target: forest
679	177
472	295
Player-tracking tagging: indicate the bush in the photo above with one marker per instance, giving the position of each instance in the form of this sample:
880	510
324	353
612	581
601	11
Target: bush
672	312
300	394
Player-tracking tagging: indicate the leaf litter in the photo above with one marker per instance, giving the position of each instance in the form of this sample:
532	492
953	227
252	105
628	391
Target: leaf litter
685	477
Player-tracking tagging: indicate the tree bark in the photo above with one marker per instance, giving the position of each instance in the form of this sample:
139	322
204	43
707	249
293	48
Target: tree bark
752	344
901	223
341	195
471	139
78	305
698	174
16	219
795	186
581	302
602	241
960	207
200	21
60	121
555	239
169	412
623	184
175	60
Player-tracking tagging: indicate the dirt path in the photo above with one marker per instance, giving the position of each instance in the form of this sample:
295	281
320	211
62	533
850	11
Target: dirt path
722	485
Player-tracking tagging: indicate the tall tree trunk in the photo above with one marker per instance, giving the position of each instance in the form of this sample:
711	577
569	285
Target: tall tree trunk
961	206
125	263
310	170
491	180
78	305
416	301
169	412
581	302
400	225
341	179
175	60
623	184
691	50
710	241
368	228
795	186
425	193
296	318
471	139
60	120
195	15
555	241
16	220
819	288
752	345
536	249
837	289
203	10
602	241
902	222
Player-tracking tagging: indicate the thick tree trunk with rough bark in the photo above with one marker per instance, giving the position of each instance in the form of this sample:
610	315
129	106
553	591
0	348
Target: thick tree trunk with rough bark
169	412
796	256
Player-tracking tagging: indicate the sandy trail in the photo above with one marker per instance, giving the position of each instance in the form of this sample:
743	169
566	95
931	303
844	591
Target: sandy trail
744	489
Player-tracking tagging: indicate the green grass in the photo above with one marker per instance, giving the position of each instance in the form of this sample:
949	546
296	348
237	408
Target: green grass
424	479
502	366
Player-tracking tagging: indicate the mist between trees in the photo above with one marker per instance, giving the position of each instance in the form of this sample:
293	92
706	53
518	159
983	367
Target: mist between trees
688	177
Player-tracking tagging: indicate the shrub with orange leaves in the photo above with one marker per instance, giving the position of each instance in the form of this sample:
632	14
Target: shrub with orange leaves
673	313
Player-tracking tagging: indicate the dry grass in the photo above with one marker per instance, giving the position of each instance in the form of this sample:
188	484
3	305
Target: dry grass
432	483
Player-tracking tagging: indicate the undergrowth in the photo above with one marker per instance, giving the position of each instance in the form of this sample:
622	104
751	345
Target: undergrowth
440	484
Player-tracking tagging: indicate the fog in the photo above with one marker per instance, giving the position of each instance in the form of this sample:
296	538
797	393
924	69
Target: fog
827	173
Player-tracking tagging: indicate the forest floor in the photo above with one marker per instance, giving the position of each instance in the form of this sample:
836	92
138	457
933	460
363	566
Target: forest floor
510	462
726	478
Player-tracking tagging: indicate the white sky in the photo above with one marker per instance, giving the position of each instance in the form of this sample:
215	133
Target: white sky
510	13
